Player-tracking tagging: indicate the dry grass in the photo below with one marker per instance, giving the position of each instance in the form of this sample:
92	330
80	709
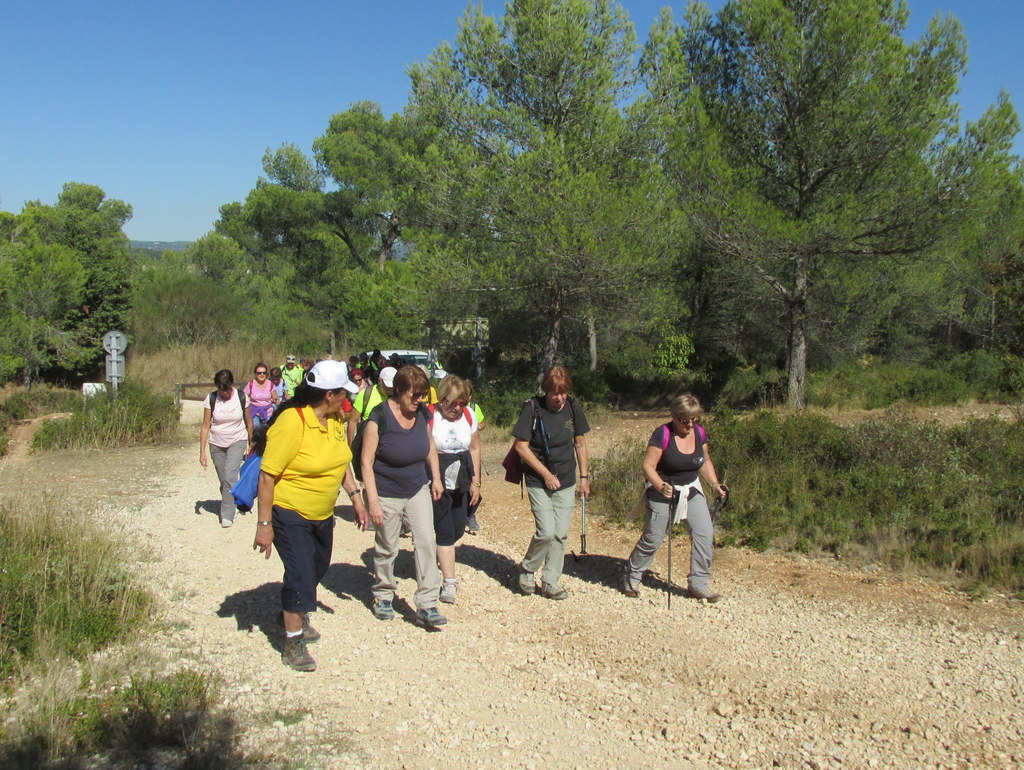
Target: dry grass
198	363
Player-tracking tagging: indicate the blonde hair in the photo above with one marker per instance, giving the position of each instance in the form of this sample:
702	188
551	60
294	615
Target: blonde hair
686	406
454	388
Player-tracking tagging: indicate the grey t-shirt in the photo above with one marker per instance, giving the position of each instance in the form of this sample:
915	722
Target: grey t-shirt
400	466
562	429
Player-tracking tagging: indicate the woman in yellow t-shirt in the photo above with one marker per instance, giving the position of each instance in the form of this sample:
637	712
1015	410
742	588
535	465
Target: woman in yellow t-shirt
306	460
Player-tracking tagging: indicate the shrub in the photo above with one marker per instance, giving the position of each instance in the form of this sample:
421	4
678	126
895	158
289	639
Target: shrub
890	489
753	387
62	586
135	416
502	400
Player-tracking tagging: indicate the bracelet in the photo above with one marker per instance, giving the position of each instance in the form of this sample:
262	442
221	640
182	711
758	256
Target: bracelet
354	492
264	523
475	483
584	476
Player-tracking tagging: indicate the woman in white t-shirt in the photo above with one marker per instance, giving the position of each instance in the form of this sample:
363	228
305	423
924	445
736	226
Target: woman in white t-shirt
458	449
227	428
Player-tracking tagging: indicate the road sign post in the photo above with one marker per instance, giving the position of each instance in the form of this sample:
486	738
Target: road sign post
115	343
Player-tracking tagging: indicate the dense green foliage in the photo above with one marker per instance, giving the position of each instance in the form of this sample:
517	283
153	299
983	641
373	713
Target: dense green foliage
784	186
135	416
65	272
891	490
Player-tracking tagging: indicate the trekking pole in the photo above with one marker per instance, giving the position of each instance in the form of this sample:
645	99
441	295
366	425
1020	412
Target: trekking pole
583	531
671	518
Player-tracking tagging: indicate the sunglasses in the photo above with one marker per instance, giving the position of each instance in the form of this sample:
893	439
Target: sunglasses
421	396
261	371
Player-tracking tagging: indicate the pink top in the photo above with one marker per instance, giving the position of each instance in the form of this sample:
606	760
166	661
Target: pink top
259	396
228	423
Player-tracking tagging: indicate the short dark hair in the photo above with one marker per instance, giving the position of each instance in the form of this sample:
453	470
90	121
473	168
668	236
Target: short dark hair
223	379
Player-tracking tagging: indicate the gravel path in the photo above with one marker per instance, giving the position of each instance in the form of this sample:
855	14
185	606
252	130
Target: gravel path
805	664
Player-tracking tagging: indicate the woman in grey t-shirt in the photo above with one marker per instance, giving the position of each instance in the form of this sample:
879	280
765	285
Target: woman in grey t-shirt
550	441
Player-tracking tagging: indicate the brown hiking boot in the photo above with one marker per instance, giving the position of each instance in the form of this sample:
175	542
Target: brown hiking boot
296	655
309	634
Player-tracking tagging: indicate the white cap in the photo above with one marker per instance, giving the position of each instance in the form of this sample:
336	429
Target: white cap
387	376
330	375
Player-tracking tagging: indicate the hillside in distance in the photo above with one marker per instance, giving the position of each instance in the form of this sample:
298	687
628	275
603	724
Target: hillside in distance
160	246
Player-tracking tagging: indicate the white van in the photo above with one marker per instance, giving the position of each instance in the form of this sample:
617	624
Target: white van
416	358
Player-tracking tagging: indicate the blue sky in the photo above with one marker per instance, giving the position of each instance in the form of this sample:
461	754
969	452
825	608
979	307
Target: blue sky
169	106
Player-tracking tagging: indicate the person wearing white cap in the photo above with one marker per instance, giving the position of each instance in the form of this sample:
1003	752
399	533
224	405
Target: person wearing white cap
307	459
368	398
291	374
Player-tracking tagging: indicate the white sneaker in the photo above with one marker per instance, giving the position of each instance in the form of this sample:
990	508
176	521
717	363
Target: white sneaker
226	523
448	591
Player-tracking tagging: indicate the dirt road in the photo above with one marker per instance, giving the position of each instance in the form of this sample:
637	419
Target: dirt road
803	664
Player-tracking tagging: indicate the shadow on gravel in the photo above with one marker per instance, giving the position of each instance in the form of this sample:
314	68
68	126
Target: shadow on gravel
350	582
207	506
595	568
497	566
256	609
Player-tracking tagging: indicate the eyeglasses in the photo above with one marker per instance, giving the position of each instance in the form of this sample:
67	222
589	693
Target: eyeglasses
421	396
685	420
261	371
455	405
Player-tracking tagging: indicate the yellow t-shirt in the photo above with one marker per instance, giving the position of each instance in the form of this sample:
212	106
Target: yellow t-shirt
310	460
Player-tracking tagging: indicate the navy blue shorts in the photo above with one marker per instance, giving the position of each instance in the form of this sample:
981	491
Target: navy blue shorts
305	548
450	514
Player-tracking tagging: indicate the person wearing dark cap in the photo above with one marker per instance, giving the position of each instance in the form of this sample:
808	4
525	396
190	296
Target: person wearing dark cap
307	458
291	373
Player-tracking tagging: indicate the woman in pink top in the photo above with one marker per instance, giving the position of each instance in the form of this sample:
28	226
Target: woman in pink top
262	396
227	428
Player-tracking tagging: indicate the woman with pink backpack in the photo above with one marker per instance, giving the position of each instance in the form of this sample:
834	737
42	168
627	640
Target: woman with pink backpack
677	456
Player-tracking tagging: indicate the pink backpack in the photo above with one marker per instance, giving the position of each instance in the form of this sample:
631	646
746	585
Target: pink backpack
666	432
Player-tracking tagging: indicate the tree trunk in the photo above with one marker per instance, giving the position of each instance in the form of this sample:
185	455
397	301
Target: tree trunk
797	353
550	351
392	231
592	336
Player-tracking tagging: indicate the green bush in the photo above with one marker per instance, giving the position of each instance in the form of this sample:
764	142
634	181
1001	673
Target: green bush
754	387
135	416
890	489
174	716
502	400
977	375
62	586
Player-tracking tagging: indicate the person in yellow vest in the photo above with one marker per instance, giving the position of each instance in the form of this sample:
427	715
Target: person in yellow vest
368	398
291	374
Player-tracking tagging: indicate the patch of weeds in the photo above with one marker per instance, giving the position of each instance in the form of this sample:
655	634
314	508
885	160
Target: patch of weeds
136	416
63	586
287	718
154	720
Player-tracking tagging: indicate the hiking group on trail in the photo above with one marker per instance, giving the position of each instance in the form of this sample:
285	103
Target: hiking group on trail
408	456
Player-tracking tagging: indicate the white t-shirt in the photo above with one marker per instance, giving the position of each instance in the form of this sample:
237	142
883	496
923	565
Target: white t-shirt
452	438
228	423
